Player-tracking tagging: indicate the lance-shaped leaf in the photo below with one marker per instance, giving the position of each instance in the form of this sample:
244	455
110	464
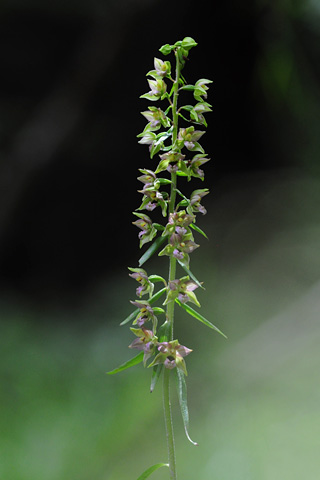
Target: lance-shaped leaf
197	229
152	249
130	363
182	395
156	372
157	278
151	300
199	317
188	87
186	269
152	469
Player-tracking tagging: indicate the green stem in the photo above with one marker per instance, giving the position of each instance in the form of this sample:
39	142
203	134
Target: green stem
175	115
172	276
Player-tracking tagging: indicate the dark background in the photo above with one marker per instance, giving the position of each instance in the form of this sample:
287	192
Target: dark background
71	76
72	73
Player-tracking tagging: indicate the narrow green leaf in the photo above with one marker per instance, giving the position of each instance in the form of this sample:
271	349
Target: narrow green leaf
182	395
181	195
151	300
158	310
157	295
156	372
188	271
187	107
184	118
158	227
199	317
130	317
130	363
187	87
152	469
197	229
152	249
164	181
156	278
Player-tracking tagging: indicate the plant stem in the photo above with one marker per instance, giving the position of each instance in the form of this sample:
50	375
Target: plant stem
175	102
172	275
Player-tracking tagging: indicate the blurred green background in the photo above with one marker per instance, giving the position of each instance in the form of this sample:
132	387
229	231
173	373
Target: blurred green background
72	73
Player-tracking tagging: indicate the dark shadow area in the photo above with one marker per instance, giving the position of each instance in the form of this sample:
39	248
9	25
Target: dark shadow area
72	76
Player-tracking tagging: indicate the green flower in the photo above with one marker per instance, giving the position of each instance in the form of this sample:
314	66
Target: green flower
157	89
146	342
152	197
171	355
162	68
196	114
146	287
201	89
195	199
148	232
170	161
188	137
156	118
146	313
195	164
183	290
180	245
178	223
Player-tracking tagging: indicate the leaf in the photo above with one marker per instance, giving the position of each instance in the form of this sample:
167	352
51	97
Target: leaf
188	87
182	395
166	49
199	317
156	372
197	229
130	317
152	249
181	195
164	181
152	469
156	278
186	269
151	300
130	363
187	107
158	227
158	310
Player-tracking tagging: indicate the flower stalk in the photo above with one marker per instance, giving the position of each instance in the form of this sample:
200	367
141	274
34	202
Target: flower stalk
181	157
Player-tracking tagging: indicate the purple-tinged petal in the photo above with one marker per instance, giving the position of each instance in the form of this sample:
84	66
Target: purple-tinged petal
183	297
191	286
181	231
168	363
183	351
137	343
178	255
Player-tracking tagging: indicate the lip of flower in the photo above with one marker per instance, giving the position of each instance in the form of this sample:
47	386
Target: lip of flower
177	254
150	206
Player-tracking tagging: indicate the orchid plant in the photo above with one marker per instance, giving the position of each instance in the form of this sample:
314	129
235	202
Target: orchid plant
180	155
